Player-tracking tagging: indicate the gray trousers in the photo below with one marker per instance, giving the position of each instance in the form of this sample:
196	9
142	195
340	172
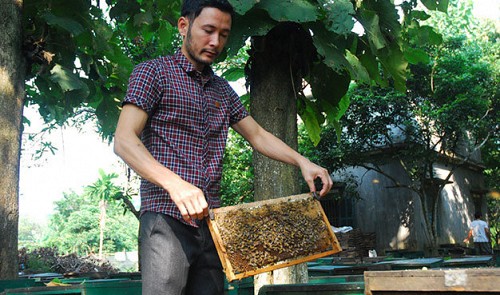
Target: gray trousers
177	259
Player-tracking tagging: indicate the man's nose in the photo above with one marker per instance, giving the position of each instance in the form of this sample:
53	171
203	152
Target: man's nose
215	40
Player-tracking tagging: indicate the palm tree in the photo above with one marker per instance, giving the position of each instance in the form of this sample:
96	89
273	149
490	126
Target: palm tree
105	190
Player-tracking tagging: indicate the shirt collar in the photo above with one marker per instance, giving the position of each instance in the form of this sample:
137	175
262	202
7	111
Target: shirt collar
184	63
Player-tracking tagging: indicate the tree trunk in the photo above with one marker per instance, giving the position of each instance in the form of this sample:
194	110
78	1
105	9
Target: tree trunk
273	85
103	204
11	107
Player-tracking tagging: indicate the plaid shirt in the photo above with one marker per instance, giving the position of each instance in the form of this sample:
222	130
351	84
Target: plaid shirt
189	115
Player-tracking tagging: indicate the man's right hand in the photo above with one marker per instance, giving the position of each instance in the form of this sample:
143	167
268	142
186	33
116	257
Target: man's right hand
189	199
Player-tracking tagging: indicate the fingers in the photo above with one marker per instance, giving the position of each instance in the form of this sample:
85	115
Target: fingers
193	207
197	207
184	212
327	184
326	181
312	187
191	202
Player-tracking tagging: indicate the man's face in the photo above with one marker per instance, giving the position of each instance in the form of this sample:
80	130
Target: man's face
205	36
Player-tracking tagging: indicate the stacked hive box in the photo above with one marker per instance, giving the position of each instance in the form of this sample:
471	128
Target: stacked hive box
356	244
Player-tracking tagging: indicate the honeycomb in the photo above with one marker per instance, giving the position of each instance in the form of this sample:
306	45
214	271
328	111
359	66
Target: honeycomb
265	234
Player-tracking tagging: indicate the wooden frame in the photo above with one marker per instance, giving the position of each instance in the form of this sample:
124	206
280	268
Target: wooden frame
329	242
469	281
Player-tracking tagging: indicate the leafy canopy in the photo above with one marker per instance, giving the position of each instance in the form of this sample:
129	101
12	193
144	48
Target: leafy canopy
80	58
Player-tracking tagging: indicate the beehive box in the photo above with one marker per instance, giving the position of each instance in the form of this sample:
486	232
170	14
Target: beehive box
262	236
444	281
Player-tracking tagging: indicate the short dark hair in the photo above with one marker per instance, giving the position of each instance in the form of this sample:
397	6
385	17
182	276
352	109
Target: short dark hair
192	8
478	215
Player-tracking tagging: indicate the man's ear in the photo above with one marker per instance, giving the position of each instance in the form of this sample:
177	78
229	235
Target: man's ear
183	25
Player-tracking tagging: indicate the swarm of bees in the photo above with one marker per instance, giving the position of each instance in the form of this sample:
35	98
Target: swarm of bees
263	235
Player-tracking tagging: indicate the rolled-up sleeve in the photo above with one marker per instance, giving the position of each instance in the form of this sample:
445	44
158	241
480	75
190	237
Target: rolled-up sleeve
143	87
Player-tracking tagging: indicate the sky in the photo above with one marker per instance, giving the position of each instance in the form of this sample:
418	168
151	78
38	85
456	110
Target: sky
75	164
487	9
80	155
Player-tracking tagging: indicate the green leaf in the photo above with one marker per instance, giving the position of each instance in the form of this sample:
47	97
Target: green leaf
242	6
253	23
122	65
336	59
66	79
440	5
334	113
166	33
325	43
344	103
396	65
369	61
370	21
328	85
95	99
74	98
357	70
425	35
291	10
234	74
143	18
339	16
310	119
415	56
103	34
68	24
26	121
421	15
338	129
122	10
169	10
245	99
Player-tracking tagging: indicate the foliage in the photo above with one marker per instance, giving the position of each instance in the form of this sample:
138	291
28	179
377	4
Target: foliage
339	55
494	219
459	20
491	159
492	172
105	190
482	40
79	58
74	227
237	177
30	233
83	52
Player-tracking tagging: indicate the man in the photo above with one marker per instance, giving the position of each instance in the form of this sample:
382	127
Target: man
172	131
480	232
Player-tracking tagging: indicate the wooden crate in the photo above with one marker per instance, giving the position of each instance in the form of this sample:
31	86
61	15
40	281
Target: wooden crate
262	236
467	281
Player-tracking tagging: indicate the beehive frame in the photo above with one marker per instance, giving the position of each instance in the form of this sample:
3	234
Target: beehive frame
266	235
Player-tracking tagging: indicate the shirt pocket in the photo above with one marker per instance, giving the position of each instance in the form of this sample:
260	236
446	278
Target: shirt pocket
182	107
218	115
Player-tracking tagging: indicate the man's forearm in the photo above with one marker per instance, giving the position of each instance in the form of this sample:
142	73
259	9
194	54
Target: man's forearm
270	146
136	156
